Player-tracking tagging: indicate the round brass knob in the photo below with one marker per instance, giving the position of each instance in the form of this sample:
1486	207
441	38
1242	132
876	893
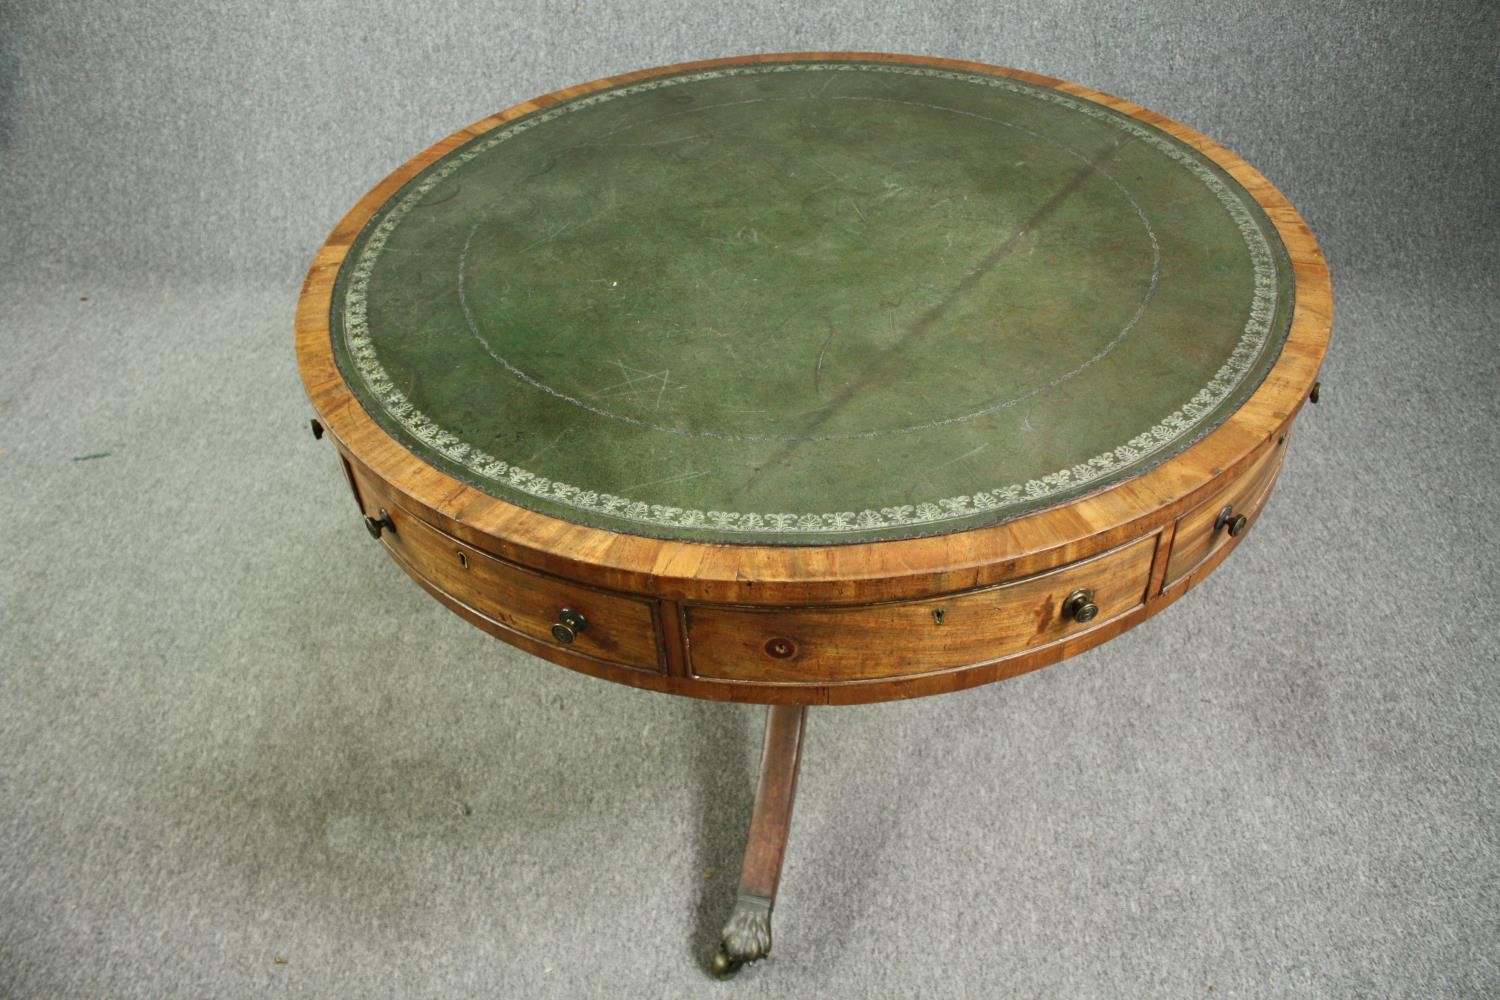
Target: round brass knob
569	624
375	525
1080	606
1234	522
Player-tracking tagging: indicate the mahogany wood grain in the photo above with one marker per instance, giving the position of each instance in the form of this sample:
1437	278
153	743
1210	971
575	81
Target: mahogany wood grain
1198	534
669	589
747	935
618	630
775	793
898	639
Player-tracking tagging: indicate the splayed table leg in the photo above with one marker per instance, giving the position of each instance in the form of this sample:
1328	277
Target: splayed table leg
747	935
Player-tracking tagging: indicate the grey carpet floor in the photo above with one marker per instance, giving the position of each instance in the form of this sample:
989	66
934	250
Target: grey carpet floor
242	755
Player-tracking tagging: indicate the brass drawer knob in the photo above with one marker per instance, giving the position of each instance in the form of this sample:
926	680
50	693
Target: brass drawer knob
376	525
569	624
1080	606
1234	522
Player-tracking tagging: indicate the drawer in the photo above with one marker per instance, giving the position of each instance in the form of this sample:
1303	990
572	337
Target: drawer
1199	533
617	629
832	644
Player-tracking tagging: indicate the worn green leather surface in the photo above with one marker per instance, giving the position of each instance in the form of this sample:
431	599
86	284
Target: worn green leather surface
810	303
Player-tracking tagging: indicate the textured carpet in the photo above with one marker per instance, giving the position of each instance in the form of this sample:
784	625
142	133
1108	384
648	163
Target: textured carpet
241	754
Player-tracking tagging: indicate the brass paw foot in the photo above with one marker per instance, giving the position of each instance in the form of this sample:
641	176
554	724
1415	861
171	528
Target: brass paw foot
746	937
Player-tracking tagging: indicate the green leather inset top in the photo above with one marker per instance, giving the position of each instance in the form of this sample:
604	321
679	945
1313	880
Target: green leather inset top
810	303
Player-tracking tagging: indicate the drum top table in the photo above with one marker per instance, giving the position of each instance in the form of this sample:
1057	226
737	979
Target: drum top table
818	378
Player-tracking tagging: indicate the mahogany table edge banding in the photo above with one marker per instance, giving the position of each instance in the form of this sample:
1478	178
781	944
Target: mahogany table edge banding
680	580
797	625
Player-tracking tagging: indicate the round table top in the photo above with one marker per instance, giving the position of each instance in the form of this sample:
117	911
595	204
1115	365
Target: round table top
810	302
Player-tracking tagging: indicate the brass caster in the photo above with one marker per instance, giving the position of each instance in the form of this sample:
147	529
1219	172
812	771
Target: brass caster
746	937
724	967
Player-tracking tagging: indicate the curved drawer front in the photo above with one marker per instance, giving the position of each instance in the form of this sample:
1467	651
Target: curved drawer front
616	629
819	645
1200	533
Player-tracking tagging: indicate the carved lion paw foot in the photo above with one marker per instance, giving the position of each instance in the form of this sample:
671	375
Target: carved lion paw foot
746	937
